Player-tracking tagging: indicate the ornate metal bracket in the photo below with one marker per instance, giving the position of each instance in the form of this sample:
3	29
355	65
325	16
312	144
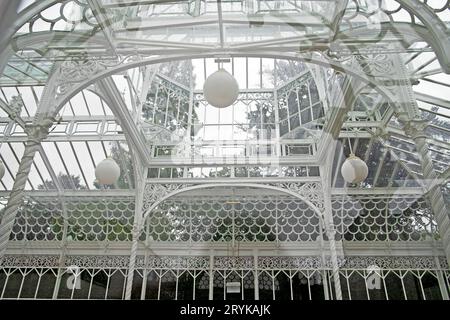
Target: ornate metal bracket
38	132
415	128
155	192
312	191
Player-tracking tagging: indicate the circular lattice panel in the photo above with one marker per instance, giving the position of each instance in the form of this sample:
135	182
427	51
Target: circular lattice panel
88	219
223	221
383	219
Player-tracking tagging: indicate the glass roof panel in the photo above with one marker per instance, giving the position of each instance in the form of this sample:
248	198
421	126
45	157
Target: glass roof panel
125	90
274	136
40	169
65	16
389	166
74	163
10	153
440	7
191	24
25	4
298	113
440	91
440	112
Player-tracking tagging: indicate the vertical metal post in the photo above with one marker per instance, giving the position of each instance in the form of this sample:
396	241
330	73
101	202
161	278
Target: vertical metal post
144	276
324	263
415	129
8	8
211	274
256	280
140	188
414	126
36	133
326	175
62	254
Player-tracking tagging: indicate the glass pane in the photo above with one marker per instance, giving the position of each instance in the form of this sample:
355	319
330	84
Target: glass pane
168	286
116	285
202	286
357	287
30	285
412	287
185	289
431	287
394	286
47	285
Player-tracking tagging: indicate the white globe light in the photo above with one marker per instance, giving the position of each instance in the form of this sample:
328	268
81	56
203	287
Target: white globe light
107	171
221	89
354	170
2	169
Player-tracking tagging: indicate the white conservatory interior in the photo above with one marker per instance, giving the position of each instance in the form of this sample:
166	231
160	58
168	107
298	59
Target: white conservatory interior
225	149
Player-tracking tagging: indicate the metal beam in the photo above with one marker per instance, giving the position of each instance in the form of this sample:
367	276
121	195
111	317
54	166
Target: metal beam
432	100
341	102
400	132
128	3
104	22
231	181
74	138
229	161
115	101
117	193
445	175
162	44
221	27
378	191
8	10
98	193
49	167
299	20
438	31
172	248
76	118
339	12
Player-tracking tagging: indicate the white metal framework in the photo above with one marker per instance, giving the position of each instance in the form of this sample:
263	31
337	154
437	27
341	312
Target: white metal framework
251	193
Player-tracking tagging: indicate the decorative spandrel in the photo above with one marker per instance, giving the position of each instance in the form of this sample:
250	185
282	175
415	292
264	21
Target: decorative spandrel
79	69
155	192
311	191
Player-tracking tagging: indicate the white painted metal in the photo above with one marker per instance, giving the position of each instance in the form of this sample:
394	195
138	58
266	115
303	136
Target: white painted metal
363	222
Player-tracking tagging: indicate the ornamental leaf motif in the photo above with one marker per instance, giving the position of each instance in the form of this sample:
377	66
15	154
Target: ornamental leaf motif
82	68
154	192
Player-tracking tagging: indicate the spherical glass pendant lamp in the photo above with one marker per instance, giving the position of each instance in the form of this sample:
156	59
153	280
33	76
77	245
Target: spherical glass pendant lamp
354	170
2	169
221	89
107	171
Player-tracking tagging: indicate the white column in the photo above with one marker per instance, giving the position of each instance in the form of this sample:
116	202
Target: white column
62	254
327	217
256	280
324	261
211	275
36	133
334	262
137	227
415	128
